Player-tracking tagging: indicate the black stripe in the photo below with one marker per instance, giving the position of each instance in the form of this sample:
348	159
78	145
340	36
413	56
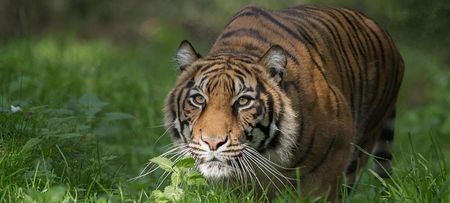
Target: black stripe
274	141
331	32
295	12
270	107
255	50
175	133
293	34
259	111
202	80
245	12
182	125
243	68
379	66
248	135
347	64
244	32
212	84
269	17
259	88
353	51
239	73
393	67
260	12
180	101
232	51
190	83
213	70
344	55
306	39
173	114
362	72
310	17
266	131
250	60
215	58
372	53
209	65
170	102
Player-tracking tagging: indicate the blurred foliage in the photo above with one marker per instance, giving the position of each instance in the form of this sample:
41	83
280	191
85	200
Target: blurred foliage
416	22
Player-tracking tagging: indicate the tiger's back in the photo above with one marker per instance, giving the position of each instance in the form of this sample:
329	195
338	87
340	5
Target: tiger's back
329	50
350	51
341	79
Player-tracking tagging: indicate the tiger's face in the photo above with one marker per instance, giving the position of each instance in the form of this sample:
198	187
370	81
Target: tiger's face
228	112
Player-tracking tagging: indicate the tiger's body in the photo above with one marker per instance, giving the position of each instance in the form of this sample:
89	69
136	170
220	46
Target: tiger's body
300	86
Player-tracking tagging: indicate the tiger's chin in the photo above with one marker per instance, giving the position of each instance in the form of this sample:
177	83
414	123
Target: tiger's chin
215	170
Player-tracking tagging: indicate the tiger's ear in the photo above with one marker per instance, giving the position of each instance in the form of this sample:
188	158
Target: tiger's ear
275	62
186	55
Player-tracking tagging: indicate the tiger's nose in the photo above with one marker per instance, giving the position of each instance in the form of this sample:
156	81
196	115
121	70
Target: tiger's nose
215	142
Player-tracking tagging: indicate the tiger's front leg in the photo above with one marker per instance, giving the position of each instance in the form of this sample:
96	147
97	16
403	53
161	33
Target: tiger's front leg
328	150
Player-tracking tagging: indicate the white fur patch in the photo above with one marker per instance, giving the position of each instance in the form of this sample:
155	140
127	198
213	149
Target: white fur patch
288	135
215	170
276	61
186	55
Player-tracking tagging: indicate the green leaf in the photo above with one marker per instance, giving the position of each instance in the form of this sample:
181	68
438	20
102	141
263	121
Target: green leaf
174	193
193	174
112	116
33	196
176	179
188	162
90	104
30	144
195	178
159	196
164	163
197	181
55	194
91	99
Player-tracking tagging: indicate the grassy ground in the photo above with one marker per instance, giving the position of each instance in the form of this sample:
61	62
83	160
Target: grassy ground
92	117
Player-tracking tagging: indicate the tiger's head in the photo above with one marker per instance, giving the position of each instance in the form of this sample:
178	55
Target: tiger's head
229	112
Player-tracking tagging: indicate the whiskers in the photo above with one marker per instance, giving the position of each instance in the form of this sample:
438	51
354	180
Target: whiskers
251	163
175	153
246	165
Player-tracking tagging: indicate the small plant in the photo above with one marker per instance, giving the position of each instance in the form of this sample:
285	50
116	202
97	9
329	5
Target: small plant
182	175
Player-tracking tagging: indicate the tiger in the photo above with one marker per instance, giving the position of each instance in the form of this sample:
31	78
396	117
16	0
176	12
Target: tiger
307	90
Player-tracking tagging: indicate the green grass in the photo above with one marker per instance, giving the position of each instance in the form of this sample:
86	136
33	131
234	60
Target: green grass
92	118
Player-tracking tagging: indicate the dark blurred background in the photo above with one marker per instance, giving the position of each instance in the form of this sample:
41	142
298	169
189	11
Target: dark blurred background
424	24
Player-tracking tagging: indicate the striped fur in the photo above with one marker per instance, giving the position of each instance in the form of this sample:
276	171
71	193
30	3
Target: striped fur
319	81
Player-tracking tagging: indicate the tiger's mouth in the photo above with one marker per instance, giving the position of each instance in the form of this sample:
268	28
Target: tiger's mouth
218	164
216	169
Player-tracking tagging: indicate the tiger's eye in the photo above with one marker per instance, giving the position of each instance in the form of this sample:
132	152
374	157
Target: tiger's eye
199	99
243	101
